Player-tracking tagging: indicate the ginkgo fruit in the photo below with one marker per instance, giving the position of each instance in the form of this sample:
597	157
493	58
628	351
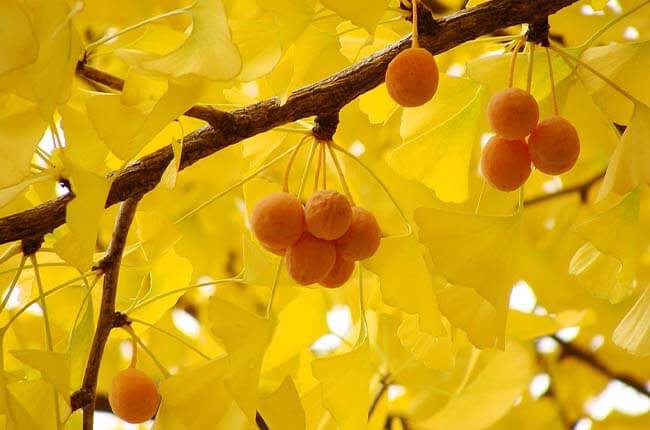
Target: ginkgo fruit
310	259
339	274
328	214
278	220
506	163
412	77
513	113
554	146
362	239
133	396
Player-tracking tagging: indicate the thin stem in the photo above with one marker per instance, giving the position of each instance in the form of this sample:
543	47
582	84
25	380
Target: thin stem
46	319
44	156
108	38
233	186
409	228
153	357
324	159
81	308
341	176
531	58
37	167
492	39
172	335
319	165
416	36
362	308
556	109
27	266
134	345
276	281
287	171
605	79
594	37
12	251
180	290
305	172
513	62
480	197
471	365
13	284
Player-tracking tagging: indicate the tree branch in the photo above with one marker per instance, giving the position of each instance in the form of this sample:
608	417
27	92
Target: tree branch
572	350
581	188
108	319
321	98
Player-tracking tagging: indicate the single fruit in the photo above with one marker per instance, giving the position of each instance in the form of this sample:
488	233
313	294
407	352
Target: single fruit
133	396
310	259
328	214
339	274
506	163
554	146
362	238
412	77
513	113
278	220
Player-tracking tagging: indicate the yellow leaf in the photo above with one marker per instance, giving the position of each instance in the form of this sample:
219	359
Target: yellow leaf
196	396
82	145
21	128
54	367
611	233
283	409
467	310
633	332
629	165
490	395
32	405
345	380
83	217
438	139
246	337
436	352
364	13
524	326
20	47
208	52
479	252
405	281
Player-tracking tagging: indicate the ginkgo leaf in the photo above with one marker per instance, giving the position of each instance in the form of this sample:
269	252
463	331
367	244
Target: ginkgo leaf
139	123
614	233
82	145
83	217
21	128
32	405
436	352
47	80
629	165
633	332
524	326
53	366
490	395
622	63
208	52
197	396
467	310
364	13
438	151
20	47
157	233
246	337
473	251
345	381
283	409
405	281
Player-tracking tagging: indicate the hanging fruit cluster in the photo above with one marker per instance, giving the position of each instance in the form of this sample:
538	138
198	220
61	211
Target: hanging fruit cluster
321	241
552	146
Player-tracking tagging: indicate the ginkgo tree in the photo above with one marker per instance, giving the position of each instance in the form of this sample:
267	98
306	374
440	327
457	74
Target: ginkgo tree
325	214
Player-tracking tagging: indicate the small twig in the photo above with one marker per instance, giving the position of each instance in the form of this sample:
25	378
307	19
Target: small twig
108	319
385	383
260	422
572	350
582	188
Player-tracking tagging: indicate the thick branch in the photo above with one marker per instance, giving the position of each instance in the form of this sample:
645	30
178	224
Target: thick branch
320	98
85	397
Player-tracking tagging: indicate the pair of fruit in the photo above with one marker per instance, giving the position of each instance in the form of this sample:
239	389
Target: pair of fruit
321	241
553	145
133	396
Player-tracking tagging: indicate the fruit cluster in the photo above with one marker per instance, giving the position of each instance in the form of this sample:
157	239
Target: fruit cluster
319	242
552	147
